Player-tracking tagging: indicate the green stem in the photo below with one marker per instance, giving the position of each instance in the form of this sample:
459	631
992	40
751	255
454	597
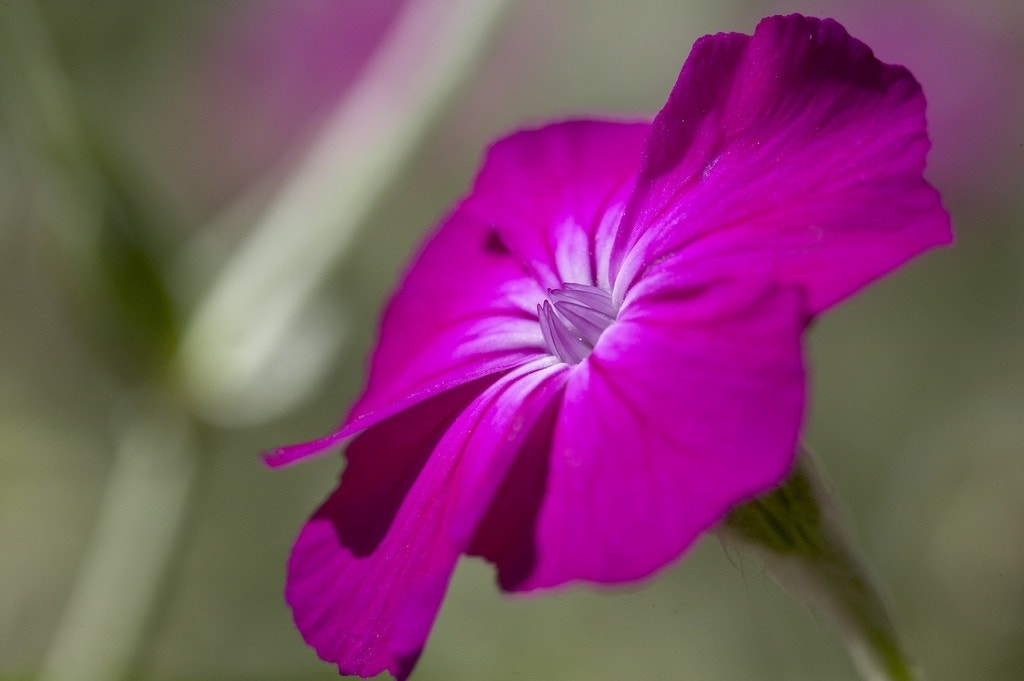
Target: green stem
799	536
140	521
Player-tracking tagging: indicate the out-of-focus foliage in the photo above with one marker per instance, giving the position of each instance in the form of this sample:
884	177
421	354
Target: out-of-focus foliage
918	388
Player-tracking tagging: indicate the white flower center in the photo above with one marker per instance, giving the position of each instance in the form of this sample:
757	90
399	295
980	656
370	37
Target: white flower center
573	318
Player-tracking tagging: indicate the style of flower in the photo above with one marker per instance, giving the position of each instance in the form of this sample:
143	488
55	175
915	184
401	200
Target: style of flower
598	353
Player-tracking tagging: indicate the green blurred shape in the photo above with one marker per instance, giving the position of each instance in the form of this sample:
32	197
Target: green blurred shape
100	219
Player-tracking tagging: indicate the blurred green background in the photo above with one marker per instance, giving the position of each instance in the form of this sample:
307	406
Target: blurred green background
130	133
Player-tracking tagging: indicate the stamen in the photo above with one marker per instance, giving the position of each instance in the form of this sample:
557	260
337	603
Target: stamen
591	296
573	318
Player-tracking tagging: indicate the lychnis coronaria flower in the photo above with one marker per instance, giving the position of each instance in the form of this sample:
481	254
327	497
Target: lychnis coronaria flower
598	352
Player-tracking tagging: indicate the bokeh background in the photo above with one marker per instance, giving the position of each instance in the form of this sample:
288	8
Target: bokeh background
154	134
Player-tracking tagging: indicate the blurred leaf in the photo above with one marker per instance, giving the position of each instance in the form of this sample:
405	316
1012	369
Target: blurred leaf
99	214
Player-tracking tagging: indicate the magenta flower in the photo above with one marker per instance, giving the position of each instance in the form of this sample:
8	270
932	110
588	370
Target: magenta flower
598	353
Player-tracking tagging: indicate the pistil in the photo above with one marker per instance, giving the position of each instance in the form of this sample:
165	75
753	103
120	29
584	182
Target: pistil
573	318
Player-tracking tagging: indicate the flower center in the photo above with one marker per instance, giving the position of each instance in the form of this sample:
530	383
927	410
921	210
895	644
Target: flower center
573	318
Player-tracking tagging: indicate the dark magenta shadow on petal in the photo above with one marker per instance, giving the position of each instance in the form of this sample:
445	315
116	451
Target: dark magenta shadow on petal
505	536
411	630
687	406
406	663
712	79
366	597
385	461
493	243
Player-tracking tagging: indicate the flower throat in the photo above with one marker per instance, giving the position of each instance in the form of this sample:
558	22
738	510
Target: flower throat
573	318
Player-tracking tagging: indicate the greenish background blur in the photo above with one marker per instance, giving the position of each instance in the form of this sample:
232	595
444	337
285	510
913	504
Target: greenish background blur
184	107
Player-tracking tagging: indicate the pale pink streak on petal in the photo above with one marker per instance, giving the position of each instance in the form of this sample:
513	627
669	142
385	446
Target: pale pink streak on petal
463	275
463	310
573	248
292	454
505	536
482	367
549	193
527	392
455	375
792	152
691	403
370	569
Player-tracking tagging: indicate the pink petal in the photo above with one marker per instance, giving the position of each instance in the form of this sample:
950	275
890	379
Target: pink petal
369	571
555	195
545	205
464	310
792	153
363	552
690	403
505	535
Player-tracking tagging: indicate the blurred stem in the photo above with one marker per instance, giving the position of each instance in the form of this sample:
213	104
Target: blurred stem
43	112
95	219
254	303
48	101
99	222
140	521
800	537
